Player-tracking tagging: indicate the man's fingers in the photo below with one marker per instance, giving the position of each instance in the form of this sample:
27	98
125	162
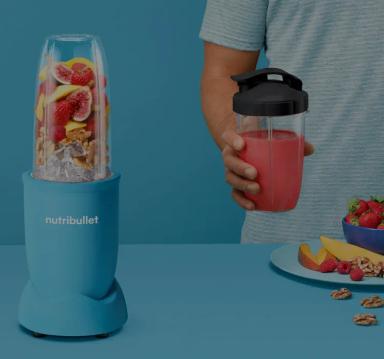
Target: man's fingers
308	149
234	140
241	184
242	201
235	164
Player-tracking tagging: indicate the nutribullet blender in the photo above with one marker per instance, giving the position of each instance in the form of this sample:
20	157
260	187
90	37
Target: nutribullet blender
71	198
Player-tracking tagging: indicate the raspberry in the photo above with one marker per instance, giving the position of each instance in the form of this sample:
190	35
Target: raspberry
344	267
329	265
356	274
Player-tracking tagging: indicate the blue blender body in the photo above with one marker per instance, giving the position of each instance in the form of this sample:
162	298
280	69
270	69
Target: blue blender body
71	234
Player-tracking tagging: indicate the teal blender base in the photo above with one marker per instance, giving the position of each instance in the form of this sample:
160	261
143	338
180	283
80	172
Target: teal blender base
72	315
71	242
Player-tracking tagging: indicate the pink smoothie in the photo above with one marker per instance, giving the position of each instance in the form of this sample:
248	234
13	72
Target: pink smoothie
279	163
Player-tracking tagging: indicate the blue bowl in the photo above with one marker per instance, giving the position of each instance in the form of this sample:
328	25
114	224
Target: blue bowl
368	238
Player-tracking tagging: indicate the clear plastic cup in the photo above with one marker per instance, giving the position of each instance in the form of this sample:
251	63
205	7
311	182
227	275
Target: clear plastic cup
72	111
271	117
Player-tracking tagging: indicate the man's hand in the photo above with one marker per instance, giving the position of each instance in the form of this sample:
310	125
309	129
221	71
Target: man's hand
241	176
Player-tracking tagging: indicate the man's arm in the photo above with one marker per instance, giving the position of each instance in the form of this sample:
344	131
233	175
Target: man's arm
217	88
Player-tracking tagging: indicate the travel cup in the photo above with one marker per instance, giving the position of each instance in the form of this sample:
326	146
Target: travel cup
270	108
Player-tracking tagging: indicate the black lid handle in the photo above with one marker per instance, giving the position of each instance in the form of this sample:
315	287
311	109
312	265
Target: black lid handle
251	79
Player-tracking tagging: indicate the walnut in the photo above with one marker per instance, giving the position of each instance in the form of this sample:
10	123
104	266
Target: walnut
79	134
91	151
82	163
343	293
372	302
369	268
365	319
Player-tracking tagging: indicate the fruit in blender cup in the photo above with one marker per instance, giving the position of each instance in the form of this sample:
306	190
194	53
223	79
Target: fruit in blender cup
82	102
39	111
82	77
60	92
56	133
62	112
62	73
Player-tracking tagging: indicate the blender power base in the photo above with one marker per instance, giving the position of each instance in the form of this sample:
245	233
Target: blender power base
73	315
71	240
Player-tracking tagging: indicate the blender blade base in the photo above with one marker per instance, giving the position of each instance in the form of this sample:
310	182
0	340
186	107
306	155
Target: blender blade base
74	314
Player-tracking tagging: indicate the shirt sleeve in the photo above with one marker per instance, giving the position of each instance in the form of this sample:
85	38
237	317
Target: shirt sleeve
237	24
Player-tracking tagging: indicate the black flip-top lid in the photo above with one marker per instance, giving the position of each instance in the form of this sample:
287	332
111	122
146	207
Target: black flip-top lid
261	96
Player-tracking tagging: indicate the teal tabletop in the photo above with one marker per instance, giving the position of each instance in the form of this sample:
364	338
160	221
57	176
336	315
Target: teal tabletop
203	301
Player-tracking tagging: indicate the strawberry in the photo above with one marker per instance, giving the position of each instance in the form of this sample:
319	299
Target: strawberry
376	207
56	133
357	206
62	112
82	77
356	274
344	267
351	218
369	219
329	265
380	226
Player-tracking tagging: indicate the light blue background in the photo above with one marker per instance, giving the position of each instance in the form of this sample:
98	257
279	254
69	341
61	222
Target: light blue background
172	188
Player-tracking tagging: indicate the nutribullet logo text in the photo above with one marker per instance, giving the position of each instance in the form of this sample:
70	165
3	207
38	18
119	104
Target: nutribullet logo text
72	220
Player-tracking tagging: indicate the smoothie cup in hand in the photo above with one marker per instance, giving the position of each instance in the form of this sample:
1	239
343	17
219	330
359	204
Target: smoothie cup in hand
270	118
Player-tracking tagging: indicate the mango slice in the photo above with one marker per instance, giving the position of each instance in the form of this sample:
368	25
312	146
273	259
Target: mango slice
73	125
347	252
60	92
40	107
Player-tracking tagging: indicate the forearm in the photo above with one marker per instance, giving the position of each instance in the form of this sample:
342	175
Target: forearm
216	98
217	88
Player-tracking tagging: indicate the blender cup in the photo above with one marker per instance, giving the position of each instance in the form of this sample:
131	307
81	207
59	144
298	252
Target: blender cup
71	198
270	110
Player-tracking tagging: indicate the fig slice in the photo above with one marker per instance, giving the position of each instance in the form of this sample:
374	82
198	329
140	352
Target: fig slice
82	101
62	73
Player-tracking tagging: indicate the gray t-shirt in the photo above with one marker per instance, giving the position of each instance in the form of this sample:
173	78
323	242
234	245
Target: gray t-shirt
337	48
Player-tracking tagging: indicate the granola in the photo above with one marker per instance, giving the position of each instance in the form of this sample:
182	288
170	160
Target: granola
372	302
365	319
343	293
